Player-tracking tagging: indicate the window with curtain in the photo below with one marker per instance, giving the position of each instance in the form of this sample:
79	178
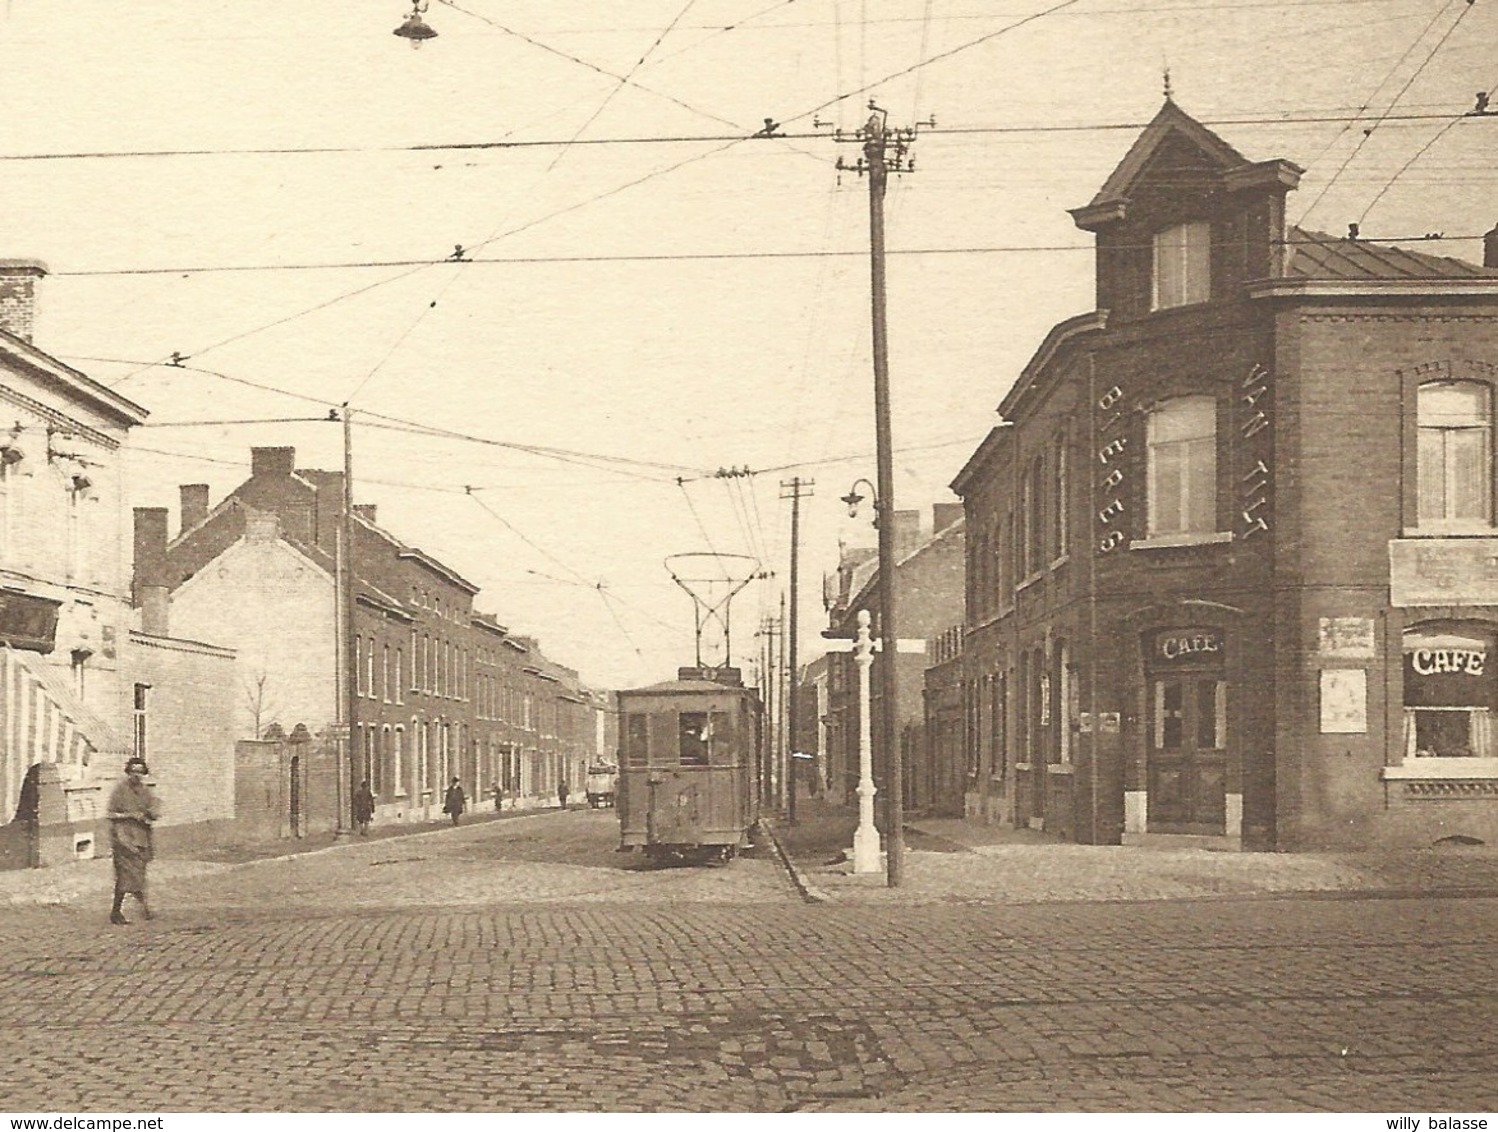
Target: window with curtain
1182	475
1449	691
1455	448
1183	265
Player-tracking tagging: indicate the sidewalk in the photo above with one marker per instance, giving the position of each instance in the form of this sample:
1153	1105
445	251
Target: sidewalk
951	860
94	879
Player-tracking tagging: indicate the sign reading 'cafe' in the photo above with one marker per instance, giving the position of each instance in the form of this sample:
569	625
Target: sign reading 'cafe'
1188	646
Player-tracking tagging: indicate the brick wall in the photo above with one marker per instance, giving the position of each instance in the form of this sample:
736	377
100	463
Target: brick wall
189	738
275	608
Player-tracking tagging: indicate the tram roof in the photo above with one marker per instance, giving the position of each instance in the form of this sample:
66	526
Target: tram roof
667	686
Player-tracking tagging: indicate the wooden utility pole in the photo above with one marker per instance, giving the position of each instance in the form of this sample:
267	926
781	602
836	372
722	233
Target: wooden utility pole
345	660
799	488
884	151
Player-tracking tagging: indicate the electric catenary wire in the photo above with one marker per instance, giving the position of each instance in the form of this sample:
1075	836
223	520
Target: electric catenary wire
1368	131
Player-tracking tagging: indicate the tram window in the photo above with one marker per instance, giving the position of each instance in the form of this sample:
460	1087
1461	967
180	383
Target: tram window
636	739
694	738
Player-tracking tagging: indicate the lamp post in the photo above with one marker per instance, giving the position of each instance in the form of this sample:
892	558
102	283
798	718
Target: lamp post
866	847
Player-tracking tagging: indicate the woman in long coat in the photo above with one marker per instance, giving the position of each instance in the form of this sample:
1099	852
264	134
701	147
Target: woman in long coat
133	810
364	807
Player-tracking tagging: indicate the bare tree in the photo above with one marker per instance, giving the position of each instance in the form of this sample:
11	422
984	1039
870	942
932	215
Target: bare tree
262	705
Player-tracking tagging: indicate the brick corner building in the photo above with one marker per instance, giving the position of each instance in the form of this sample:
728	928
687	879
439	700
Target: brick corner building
1230	558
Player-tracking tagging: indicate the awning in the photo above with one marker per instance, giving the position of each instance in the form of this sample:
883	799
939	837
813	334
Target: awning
43	721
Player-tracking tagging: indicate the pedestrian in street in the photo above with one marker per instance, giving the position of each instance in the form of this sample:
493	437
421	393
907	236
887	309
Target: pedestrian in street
499	797
133	810
364	807
562	793
455	801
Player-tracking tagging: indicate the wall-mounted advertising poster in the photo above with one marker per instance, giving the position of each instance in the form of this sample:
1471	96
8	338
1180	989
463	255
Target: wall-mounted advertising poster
1344	701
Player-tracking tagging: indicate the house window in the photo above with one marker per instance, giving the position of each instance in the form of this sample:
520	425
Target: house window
398	767
1455	454
1183	265
1183	467
1059	497
139	749
1449	691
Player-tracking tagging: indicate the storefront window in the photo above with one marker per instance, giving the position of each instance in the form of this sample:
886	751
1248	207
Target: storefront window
1448	693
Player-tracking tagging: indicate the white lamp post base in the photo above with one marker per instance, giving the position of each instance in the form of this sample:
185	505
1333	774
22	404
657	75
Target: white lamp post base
867	851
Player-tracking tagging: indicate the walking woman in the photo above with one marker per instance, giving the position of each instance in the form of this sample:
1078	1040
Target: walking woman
133	810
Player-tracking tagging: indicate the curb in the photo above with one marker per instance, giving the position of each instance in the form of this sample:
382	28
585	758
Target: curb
808	891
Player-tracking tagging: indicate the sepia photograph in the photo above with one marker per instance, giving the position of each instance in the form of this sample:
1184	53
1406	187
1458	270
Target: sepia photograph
832	557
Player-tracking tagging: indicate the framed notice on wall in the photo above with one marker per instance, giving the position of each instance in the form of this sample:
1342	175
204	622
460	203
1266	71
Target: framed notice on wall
1344	701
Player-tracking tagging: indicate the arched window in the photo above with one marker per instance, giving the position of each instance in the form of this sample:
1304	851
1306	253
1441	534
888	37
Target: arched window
1182	470
1455	473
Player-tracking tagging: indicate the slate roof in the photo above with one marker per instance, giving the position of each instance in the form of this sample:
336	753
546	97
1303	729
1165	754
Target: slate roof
1317	255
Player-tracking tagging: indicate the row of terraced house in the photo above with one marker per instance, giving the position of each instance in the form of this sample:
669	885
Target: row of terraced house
1230	570
215	652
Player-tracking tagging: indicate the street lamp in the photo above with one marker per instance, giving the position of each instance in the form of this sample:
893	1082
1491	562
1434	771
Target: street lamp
853	499
415	29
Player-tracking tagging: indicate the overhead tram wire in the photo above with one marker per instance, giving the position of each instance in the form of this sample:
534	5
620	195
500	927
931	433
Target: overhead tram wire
1441	133
661	172
593	460
624	81
615	463
459	254
472	493
1331	116
1408	51
1369	131
677	257
584	63
425	266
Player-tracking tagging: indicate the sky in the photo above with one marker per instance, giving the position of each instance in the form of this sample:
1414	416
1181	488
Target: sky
650	296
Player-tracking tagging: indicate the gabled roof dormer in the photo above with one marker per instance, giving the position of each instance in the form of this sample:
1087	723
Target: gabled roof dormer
1185	218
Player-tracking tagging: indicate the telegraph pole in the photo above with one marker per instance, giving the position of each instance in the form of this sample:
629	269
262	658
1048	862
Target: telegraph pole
797	487
785	738
885	151
347	666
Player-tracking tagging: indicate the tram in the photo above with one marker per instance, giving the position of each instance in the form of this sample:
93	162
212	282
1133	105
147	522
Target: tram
689	766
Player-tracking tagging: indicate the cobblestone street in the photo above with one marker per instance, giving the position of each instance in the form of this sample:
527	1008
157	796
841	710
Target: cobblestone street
523	965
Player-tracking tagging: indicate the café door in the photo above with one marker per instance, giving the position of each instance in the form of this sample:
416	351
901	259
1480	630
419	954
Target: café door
1186	751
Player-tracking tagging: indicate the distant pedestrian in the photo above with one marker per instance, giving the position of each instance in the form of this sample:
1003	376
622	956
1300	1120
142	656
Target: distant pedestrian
364	807
562	793
499	797
455	801
133	810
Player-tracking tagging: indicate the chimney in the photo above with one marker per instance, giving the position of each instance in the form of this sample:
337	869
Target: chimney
150	588
327	506
907	532
365	511
18	284
943	515
1490	248
272	462
194	505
